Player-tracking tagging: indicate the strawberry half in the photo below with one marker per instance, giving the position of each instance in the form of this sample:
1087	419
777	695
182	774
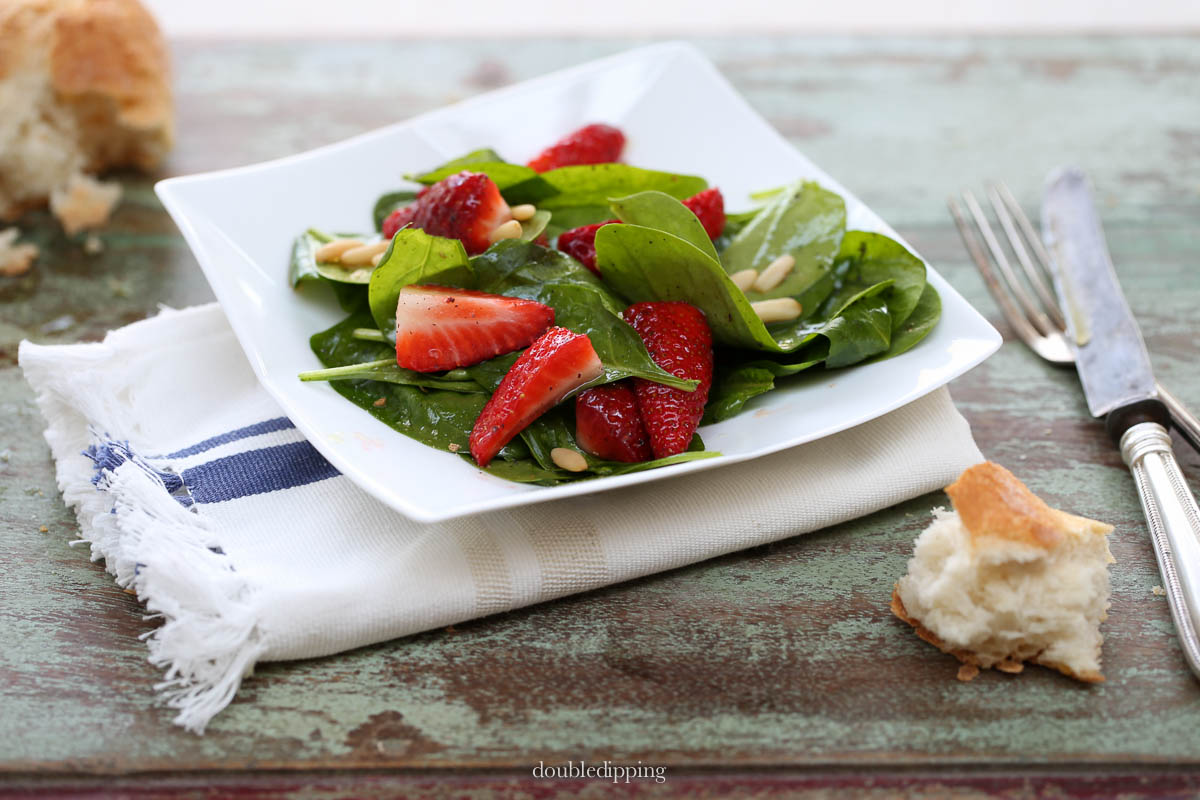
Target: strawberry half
466	206
557	363
709	208
608	425
679	340
580	243
440	328
591	144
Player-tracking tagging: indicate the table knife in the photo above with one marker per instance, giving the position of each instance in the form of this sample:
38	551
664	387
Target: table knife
1114	369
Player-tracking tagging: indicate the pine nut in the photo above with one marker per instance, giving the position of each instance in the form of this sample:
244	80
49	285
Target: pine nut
523	212
332	251
509	230
570	460
744	279
780	309
375	259
362	255
774	273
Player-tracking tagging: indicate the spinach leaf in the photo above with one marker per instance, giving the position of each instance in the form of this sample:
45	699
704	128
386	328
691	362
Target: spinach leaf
533	227
525	470
518	183
646	264
388	203
918	325
596	184
414	257
862	330
806	222
580	301
488	374
665	213
304	265
386	370
736	384
865	259
434	417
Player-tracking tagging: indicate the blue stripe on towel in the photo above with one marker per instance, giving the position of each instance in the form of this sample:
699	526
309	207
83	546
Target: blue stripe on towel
257	429
257	471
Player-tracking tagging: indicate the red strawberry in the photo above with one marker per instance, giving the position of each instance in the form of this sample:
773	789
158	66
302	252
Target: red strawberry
440	328
608	426
555	364
709	207
466	206
591	144
678	339
580	243
398	219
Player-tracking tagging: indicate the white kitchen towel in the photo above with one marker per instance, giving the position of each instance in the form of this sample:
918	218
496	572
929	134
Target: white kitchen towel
202	497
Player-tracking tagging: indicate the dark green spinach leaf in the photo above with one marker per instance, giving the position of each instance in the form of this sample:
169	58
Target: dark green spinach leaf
596	184
414	257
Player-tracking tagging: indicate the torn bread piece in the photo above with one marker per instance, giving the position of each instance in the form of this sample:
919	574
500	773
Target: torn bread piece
15	259
84	88
1004	579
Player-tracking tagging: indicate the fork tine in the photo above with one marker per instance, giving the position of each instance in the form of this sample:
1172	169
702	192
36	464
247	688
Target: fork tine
1015	240
1033	312
1020	323
1040	278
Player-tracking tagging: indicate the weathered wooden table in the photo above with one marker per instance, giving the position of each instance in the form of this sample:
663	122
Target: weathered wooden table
771	671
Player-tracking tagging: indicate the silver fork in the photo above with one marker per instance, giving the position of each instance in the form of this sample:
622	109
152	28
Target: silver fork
1038	321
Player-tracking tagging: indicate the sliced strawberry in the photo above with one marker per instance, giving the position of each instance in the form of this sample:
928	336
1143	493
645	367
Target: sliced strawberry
554	365
580	243
679	340
398	219
591	144
466	206
440	328
709	207
608	425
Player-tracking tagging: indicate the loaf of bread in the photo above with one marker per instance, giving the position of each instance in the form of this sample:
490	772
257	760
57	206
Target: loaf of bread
1004	579
84	87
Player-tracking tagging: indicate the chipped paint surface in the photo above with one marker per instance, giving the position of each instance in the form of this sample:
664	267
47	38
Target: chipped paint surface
782	655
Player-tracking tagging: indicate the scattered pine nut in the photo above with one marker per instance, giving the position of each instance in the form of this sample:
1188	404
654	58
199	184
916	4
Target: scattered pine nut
570	460
380	402
332	251
376	259
363	254
780	309
454	447
744	279
509	230
774	273
360	274
523	212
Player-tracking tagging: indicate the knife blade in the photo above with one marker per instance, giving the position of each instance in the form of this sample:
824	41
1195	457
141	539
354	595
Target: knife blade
1114	369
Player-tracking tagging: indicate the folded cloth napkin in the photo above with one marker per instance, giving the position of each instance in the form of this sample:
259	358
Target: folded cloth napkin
204	499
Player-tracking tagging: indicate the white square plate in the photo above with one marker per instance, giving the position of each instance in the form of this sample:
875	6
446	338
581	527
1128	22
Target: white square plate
678	113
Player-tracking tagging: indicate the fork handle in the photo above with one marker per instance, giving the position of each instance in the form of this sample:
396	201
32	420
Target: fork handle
1185	422
1174	522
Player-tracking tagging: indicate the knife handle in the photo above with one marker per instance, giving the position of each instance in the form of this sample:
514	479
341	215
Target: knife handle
1187	424
1174	522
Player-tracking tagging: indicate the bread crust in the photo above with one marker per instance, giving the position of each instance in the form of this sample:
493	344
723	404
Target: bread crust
992	502
1012	664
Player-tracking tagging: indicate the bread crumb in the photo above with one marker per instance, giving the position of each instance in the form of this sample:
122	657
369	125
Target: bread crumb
967	672
84	202
454	447
15	259
43	529
93	245
1011	667
1158	590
